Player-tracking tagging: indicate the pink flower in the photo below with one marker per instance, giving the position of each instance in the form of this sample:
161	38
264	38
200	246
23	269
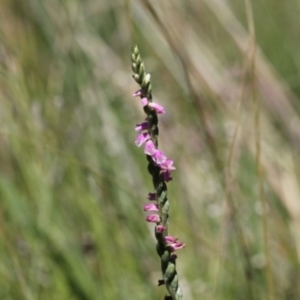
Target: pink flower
152	196
137	93
153	218
158	108
160	228
142	138
176	246
159	157
142	126
144	101
167	165
151	207
149	148
167	176
170	239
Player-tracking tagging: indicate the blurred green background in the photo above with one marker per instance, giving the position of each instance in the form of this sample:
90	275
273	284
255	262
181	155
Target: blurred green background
73	184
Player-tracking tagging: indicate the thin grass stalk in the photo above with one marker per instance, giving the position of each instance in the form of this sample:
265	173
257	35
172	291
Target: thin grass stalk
251	27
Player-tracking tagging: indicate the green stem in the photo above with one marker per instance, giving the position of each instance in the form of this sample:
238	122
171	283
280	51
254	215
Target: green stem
168	260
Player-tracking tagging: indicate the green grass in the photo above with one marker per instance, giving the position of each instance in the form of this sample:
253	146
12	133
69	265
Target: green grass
73	184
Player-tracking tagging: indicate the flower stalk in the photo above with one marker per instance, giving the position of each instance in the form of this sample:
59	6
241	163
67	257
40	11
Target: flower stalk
160	168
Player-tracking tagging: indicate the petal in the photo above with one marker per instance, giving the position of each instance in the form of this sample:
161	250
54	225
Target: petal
166	176
159	157
151	207
142	126
137	93
149	148
158	108
168	165
144	101
170	239
160	228
142	138
176	246
153	218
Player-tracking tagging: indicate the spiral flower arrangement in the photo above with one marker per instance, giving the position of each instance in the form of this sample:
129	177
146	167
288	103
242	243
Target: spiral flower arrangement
160	168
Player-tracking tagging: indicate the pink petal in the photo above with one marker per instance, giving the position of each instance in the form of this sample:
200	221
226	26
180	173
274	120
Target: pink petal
160	228
166	175
158	108
142	126
170	239
144	101
137	93
176	246
151	207
168	165
142	138
153	218
149	148
159	157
